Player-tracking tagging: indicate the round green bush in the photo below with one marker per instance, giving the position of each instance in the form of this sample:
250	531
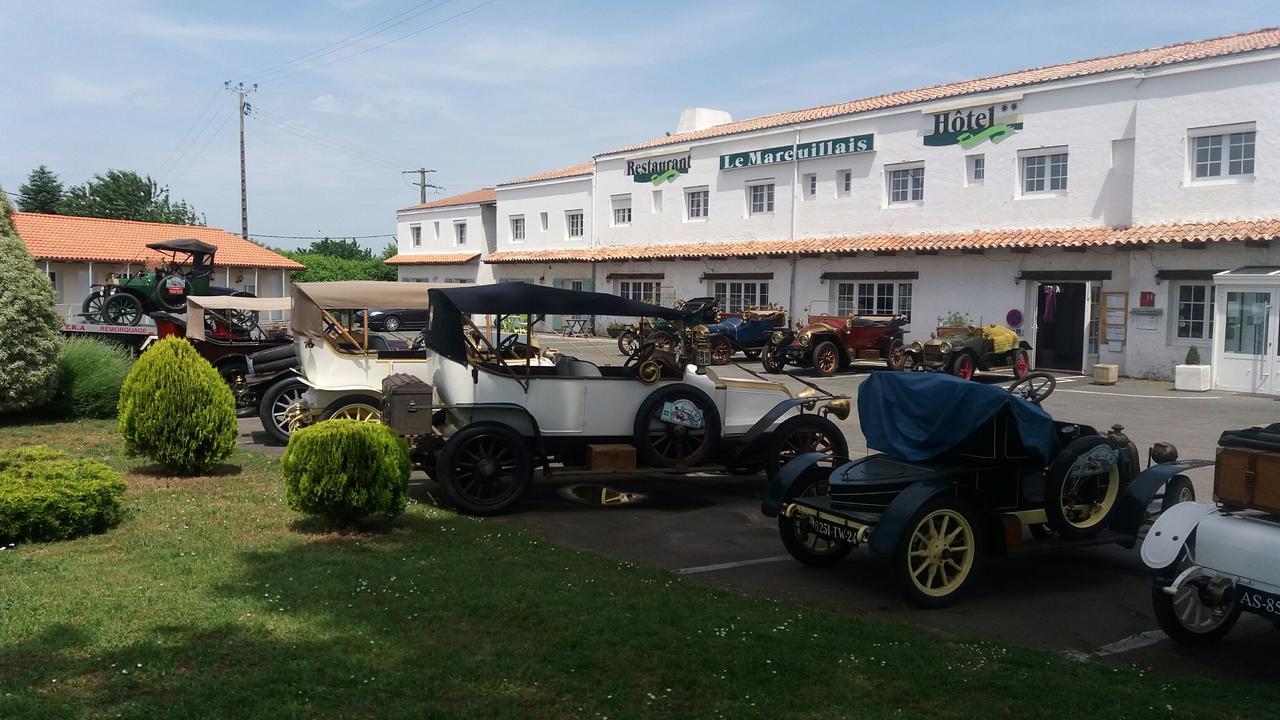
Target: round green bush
345	470
30	331
90	374
44	495
176	410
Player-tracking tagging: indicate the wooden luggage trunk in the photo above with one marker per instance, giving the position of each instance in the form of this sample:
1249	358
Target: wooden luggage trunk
1247	478
406	402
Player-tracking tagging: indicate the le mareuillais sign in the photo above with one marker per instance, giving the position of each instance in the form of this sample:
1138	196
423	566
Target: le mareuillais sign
800	151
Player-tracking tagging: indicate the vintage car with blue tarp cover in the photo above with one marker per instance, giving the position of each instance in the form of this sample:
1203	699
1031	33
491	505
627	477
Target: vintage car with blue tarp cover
747	333
497	406
963	468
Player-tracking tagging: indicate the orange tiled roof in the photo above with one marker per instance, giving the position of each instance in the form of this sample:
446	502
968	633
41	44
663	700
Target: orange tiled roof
432	258
1221	231
582	168
1263	39
475	197
83	239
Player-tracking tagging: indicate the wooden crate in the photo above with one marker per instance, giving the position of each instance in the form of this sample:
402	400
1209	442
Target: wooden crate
611	456
1266	483
1233	476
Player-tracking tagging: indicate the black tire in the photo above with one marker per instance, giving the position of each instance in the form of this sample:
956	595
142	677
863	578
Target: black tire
1020	362
364	408
964	366
773	359
663	444
801	434
391	323
752	354
275	401
895	357
941	515
802	544
484	469
122	309
1057	482
171	303
826	358
1169	611
91	308
1178	490
628	342
233	374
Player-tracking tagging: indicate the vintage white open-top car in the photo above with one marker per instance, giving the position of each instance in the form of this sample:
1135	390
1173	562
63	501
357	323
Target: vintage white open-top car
496	406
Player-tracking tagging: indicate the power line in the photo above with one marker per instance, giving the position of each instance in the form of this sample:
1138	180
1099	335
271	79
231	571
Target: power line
382	45
172	153
183	161
322	237
197	156
324	141
333	138
350	39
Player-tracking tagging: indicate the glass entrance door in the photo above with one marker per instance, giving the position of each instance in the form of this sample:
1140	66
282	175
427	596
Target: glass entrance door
1249	347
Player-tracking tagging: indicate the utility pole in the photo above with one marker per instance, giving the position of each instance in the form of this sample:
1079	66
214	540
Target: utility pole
422	183
241	91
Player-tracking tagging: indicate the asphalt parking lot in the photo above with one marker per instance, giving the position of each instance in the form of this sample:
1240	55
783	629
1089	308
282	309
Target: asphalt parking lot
1085	602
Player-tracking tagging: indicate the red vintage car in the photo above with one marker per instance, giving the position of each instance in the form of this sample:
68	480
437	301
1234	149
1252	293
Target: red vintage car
828	343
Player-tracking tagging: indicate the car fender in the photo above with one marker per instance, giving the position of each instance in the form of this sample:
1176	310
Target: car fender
1132	510
768	419
1170	532
893	522
779	488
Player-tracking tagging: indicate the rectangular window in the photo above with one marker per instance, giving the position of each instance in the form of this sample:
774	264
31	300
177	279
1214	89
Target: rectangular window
517	228
648	291
811	186
976	168
739	296
657	201
873	298
435	231
1195	312
761	199
415	233
543	220
1210	161
1044	173
573	223
1240	153
846	181
460	232
906	185
621	210
698	204
1247	322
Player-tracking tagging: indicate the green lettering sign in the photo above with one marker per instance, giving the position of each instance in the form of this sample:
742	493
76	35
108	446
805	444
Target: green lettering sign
847	145
971	127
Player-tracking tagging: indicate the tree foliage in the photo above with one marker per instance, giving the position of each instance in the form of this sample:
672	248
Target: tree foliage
176	410
338	248
42	193
126	195
29	328
322	268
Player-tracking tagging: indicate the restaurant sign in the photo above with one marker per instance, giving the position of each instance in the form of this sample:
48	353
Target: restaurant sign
658	171
847	145
971	127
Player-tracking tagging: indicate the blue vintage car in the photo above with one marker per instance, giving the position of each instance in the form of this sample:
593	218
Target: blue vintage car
747	334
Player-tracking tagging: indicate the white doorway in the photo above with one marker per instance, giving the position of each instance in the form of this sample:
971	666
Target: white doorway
1246	326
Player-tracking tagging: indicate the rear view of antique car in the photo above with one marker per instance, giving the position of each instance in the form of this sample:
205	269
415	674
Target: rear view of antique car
964	468
964	351
828	343
747	333
1214	562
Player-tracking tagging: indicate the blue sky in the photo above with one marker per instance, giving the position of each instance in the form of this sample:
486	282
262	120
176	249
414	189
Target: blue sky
509	88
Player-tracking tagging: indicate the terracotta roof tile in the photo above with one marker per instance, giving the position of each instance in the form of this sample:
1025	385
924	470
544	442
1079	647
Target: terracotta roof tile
475	197
1263	39
1220	231
432	258
82	239
582	168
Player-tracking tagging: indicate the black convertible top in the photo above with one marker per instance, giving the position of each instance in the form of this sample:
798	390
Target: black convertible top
187	245
448	305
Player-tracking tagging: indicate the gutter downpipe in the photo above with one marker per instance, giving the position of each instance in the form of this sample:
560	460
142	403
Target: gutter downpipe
795	186
591	244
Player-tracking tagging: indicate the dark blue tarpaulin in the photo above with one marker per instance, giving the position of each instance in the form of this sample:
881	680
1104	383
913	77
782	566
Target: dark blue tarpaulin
918	416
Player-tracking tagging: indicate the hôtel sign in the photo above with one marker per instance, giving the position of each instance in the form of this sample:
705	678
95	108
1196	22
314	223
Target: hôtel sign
971	127
847	145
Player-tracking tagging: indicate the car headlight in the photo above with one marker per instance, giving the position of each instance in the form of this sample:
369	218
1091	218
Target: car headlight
776	338
945	347
804	339
917	345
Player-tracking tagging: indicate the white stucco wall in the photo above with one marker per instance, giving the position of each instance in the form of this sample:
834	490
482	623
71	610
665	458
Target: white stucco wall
556	198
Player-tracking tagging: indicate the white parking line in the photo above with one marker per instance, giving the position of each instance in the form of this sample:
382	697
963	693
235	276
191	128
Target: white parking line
1145	397
725	566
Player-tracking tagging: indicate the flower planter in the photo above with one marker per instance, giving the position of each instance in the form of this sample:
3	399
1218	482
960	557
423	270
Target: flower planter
1192	378
614	332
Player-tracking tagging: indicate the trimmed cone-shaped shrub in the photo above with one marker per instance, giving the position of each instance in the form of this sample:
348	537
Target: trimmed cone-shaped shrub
176	410
29	327
44	495
344	470
90	374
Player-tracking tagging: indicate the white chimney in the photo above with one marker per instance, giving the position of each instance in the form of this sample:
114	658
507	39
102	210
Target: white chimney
694	119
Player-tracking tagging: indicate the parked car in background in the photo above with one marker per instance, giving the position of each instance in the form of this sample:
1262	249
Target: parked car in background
748	333
660	332
963	351
392	319
828	343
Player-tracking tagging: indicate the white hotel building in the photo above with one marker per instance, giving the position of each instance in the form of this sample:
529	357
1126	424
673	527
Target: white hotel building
1115	210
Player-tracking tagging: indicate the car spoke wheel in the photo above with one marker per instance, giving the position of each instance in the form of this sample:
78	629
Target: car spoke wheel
391	323
1080	503
1200	612
803	434
663	340
246	400
773	359
1021	364
485	469
628	342
122	309
274	410
668	443
937	556
896	359
91	308
721	350
963	367
799	538
354	407
826	358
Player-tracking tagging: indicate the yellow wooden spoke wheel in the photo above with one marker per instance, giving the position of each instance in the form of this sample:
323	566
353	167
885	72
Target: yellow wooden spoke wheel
354	407
938	553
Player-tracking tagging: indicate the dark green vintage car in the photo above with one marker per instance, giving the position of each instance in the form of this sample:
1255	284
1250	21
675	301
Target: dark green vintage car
187	270
967	350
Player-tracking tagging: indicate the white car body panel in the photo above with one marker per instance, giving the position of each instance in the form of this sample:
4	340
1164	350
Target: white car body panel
325	368
1168	535
1242	546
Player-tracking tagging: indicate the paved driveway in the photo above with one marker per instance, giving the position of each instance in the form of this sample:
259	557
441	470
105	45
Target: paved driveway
1084	602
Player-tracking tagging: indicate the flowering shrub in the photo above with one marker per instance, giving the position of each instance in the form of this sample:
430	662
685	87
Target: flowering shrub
345	470
44	495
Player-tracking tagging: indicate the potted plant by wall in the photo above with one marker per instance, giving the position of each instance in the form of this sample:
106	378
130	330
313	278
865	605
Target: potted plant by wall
614	329
953	323
1191	375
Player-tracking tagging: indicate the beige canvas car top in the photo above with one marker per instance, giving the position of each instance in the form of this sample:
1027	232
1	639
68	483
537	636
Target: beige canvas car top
311	299
197	304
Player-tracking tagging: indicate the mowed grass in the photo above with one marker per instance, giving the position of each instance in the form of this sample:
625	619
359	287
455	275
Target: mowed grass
214	600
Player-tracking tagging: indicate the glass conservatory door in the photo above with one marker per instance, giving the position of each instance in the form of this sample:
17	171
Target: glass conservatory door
1248	357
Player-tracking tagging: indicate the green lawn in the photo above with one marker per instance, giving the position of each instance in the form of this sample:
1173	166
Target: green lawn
213	599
